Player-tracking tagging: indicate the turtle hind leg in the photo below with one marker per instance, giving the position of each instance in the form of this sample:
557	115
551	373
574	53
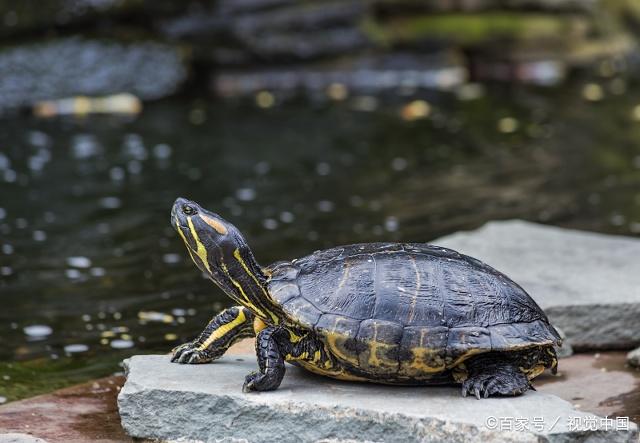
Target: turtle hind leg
494	374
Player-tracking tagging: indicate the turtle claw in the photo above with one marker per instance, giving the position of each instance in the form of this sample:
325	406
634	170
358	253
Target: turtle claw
505	382
188	353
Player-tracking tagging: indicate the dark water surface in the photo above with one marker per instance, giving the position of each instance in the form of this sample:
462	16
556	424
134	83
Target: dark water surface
91	271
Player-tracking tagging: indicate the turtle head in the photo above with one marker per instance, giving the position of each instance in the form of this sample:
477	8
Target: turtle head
207	236
221	252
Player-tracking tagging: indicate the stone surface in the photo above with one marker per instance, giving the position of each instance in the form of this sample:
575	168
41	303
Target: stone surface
75	66
588	284
205	402
633	358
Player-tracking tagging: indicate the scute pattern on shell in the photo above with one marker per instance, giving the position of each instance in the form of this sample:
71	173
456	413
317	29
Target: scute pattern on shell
409	296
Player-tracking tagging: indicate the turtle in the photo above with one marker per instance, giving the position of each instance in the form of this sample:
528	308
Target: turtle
391	313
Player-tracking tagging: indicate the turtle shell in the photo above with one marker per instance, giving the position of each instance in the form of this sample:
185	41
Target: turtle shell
407	309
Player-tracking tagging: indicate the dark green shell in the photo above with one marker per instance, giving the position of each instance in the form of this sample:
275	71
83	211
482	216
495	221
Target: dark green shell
408	297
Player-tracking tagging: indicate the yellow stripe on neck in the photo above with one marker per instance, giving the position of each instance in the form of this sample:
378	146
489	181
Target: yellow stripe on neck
201	251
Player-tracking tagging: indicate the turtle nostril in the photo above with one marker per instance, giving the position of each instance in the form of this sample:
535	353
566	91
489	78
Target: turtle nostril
188	210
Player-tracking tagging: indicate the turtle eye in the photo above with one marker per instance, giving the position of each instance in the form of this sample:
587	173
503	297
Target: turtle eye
188	210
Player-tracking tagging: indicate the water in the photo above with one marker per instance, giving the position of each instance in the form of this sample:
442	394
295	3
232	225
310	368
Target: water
91	271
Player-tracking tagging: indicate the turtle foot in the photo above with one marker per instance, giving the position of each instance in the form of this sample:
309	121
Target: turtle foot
496	380
189	353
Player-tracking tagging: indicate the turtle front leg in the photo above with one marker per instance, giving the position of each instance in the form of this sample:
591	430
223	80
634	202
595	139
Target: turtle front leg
494	374
222	331
270	362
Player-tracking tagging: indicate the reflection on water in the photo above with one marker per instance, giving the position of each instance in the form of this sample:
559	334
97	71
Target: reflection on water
91	271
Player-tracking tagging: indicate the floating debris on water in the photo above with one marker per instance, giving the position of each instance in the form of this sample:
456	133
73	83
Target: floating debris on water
593	92
337	91
417	109
121	344
154	316
37	331
265	99
76	348
79	262
83	105
508	125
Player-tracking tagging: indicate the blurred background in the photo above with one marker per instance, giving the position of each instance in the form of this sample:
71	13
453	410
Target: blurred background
306	123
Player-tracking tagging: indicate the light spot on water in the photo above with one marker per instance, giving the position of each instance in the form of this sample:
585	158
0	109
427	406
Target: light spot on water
286	217
178	312
170	337
171	258
323	169
116	173
79	262
262	168
37	331
3	213
39	235
325	206
110	202
364	103
5	271
76	348
97	272
84	146
337	91
162	151
5	163
246	194
21	223
133	147
3	399
134	167
10	176
86	317
73	274
7	249
391	224
399	164
270	223
121	344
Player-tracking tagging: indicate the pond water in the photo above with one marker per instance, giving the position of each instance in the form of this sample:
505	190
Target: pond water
91	271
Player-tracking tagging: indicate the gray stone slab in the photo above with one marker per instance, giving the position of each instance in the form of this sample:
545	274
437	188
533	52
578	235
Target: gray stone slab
165	400
588	283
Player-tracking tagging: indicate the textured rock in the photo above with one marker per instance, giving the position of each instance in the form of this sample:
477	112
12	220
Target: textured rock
588	284
74	66
633	358
205	402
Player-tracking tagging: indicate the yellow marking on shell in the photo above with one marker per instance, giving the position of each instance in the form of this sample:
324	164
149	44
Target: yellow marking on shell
293	337
332	341
373	360
223	330
215	224
201	250
421	356
258	325
338	374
